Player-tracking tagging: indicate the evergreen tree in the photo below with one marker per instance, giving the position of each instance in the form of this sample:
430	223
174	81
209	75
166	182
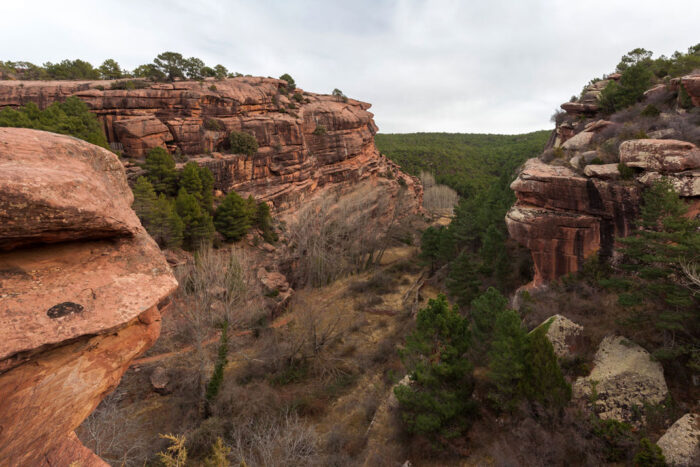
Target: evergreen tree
649	455
437	403
437	246
191	181
231	217
483	313
654	254
463	281
507	365
545	382
263	220
207	180
145	199
160	171
166	227
199	227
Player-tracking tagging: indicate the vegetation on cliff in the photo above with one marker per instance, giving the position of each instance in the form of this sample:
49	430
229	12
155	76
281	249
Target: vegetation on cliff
70	117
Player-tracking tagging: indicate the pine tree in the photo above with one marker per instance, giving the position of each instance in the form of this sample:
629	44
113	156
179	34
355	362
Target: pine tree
166	226
437	403
545	382
483	313
160	171
144	201
207	180
463	281
190	180
199	227
507	365
231	217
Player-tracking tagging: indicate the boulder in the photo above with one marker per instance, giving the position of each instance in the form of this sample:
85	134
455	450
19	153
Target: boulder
74	312
140	134
597	125
624	378
681	442
160	380
56	188
579	141
664	133
564	334
660	155
273	280
602	171
578	108
589	156
691	84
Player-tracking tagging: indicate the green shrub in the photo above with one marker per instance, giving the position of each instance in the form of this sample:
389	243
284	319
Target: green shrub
651	111
263	221
243	143
320	130
298	97
616	436
290	81
626	172
212	124
597	161
649	455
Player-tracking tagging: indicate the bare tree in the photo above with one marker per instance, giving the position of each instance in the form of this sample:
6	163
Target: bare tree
691	269
337	235
218	287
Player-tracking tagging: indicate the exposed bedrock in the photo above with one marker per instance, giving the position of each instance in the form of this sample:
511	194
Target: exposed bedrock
305	142
80	288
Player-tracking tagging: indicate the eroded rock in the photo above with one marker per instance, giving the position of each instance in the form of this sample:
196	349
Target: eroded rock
56	188
681	442
624	379
564	335
73	313
660	155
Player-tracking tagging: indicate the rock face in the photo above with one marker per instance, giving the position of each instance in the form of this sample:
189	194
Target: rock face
681	443
78	301
56	188
624	377
660	155
564	335
563	217
305	142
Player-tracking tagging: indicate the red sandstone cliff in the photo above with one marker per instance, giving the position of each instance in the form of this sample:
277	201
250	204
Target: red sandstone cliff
568	209
81	283
304	143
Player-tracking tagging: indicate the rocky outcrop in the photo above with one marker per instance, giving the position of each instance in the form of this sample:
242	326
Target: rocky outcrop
660	155
624	378
563	217
57	188
564	334
305	142
681	443
691	84
80	288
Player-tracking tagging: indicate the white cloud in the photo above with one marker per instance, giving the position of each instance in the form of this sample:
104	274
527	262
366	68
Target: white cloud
464	66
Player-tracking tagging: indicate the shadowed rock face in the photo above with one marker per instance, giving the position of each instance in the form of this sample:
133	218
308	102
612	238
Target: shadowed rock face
563	217
80	284
303	145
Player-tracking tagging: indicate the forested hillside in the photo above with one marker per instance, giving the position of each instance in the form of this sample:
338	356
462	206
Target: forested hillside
469	163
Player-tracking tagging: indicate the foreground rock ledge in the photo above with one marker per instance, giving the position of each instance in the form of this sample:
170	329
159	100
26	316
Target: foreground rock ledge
73	314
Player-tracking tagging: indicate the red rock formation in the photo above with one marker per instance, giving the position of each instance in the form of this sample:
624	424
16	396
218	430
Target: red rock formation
563	217
73	312
302	145
691	84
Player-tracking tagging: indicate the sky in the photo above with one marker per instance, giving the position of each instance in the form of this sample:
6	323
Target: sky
467	66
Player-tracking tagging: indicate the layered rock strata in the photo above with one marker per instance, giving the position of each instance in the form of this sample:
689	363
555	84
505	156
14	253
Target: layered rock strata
576	205
81	283
306	141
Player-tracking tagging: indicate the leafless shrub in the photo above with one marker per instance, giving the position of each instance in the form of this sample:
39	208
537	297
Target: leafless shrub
439	198
110	434
219	286
691	269
335	236
275	441
426	179
558	117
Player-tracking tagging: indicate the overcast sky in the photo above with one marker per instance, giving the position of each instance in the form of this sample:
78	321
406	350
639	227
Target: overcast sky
459	66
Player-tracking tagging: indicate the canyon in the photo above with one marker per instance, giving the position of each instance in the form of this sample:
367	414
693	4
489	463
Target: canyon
306	141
